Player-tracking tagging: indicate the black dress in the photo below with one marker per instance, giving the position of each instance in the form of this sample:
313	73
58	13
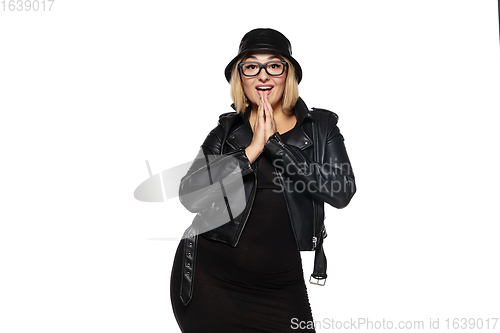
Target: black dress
257	286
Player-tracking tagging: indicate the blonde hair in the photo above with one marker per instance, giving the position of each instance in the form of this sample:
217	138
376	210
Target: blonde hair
290	93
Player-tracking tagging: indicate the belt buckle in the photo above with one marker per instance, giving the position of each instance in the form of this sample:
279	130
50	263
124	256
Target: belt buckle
318	281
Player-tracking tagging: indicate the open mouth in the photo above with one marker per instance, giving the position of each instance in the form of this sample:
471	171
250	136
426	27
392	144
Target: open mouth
266	88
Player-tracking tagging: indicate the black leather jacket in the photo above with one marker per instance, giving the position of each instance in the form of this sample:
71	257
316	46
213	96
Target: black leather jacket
314	156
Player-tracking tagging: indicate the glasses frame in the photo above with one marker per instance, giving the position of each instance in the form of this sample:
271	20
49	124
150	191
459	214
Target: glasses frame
240	66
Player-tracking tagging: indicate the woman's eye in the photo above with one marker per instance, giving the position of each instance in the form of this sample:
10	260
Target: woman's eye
251	66
275	66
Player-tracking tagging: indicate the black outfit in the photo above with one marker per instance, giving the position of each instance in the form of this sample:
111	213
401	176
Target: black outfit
257	286
313	157
237	268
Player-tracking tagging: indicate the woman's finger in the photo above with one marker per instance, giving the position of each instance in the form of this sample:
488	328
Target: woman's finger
262	104
260	114
268	105
270	122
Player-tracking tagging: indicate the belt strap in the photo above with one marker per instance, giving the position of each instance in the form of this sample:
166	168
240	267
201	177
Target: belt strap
188	262
319	273
189	259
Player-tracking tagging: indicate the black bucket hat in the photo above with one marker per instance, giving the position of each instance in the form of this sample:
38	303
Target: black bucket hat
269	40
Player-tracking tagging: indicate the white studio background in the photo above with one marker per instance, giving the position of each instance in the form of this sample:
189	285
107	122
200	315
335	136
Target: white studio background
92	89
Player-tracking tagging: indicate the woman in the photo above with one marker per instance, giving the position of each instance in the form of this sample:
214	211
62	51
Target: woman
258	186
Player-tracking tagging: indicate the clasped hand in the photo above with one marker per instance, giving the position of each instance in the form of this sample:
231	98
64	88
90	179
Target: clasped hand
263	128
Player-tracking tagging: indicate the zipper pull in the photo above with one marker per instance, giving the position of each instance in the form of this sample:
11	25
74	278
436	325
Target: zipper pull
314	242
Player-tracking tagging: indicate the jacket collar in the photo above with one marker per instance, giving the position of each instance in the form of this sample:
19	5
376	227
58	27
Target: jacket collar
300	108
242	135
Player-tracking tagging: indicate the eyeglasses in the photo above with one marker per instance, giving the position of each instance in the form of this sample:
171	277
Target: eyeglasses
273	68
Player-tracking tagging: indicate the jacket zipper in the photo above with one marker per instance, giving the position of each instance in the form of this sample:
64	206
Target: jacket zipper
253	198
314	238
249	208
287	207
229	143
284	147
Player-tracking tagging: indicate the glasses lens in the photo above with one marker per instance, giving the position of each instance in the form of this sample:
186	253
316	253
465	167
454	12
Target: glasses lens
250	68
275	68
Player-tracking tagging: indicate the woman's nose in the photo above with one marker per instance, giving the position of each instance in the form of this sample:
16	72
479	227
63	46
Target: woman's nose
263	76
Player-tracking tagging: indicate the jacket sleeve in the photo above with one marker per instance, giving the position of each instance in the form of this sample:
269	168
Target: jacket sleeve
329	179
213	176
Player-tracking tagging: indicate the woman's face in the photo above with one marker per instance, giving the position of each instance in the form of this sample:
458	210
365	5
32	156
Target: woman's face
252	85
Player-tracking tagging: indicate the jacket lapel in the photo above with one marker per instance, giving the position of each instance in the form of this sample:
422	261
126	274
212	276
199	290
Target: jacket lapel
240	137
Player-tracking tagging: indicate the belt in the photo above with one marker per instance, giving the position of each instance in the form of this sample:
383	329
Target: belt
319	273
189	259
190	238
